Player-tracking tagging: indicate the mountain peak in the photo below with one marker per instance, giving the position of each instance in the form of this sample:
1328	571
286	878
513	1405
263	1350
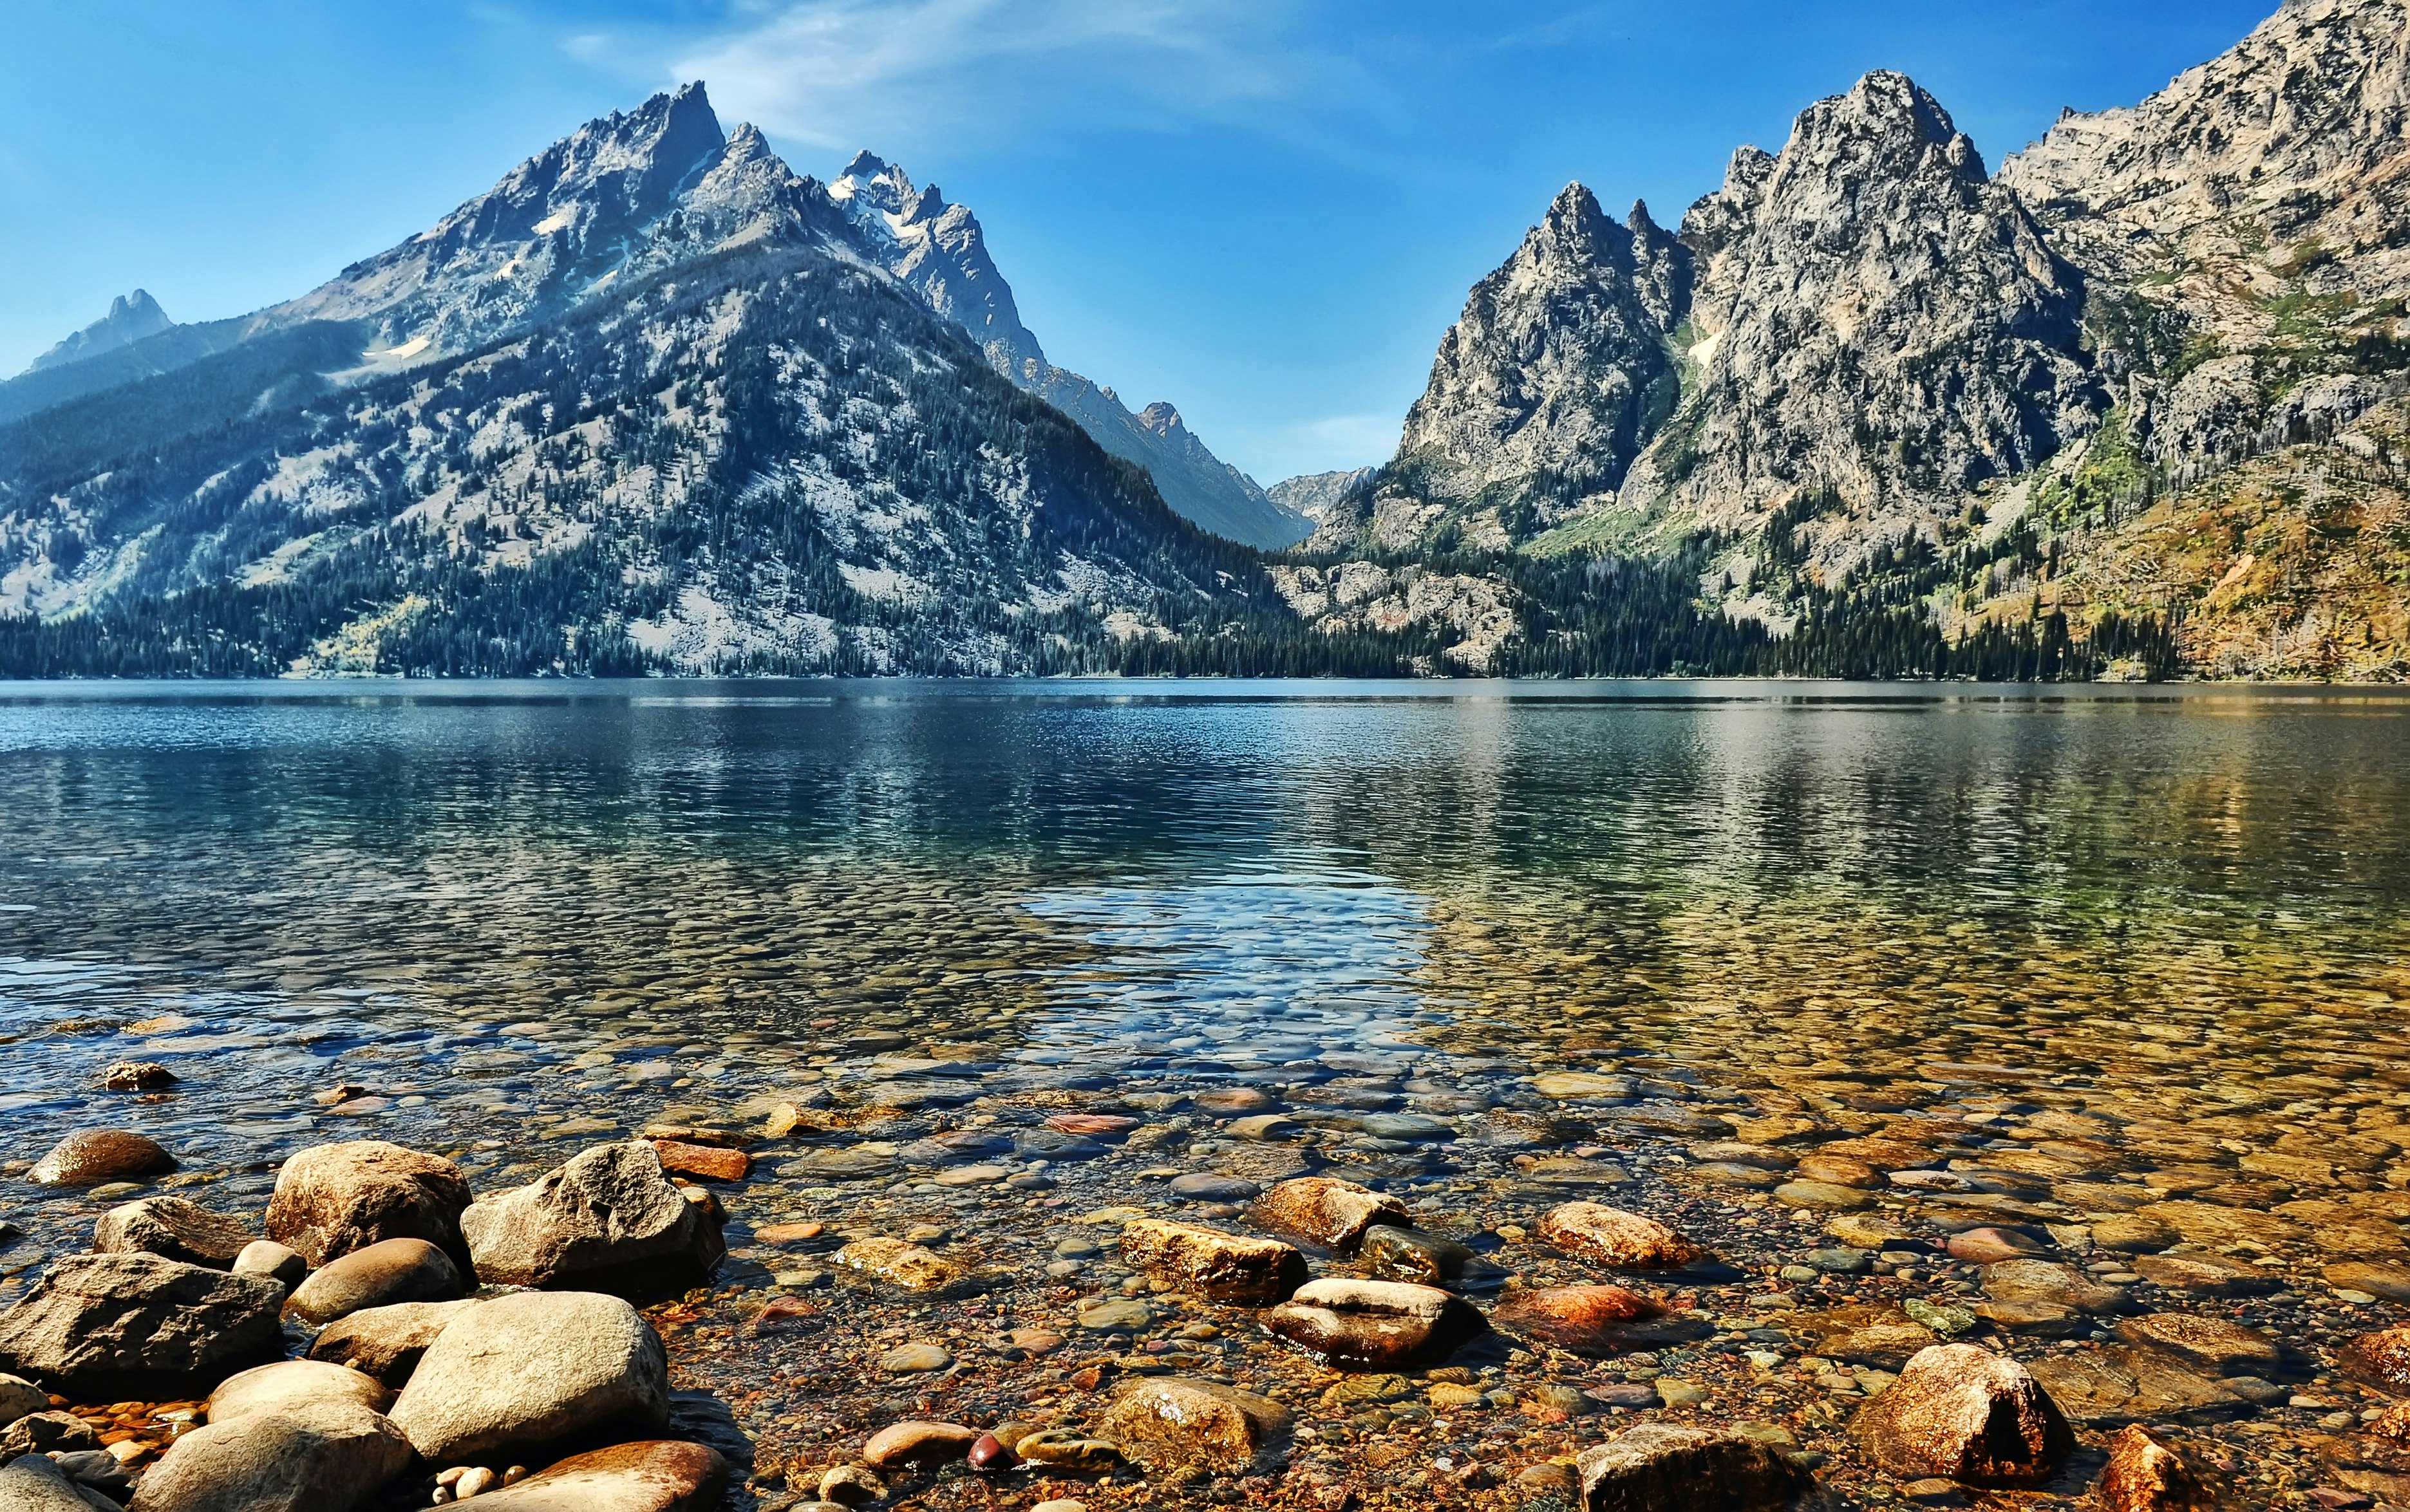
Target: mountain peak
1886	120
131	317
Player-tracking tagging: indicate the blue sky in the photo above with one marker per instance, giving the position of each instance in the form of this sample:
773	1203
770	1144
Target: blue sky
1263	210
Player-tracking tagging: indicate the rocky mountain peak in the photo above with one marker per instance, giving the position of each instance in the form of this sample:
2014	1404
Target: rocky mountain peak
131	317
1162	419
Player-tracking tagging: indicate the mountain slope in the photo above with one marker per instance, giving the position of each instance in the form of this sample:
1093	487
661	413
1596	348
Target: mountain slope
940	249
648	404
131	318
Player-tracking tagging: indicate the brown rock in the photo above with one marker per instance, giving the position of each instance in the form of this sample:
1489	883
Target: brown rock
906	1267
1618	1240
2047	1281
2129	1233
1168	1423
380	1276
1375	1325
1989	1246
2144	1475
173	1227
1884	1336
136	1076
1092	1125
333	1199
93	1157
1664	1467
650	1475
1235	1100
1325	1211
1839	1170
47	1432
607	1220
324	1458
295	1383
2382	1358
1781	1130
2209	1344
1220	1266
387	1342
2110	1386
533	1368
113	1327
788	1233
1596	1321
2391	1282
2203	1275
918	1443
1964	1412
705	1163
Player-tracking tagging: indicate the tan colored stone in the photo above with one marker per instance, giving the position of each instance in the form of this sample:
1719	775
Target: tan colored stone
1375	1325
705	1163
649	1475
1327	1212
1615	1239
1964	1412
1168	1423
907	1267
1220	1266
333	1199
2212	1344
2110	1387
173	1227
327	1457
2203	1275
93	1157
609	1220
387	1342
292	1382
113	1327
2144	1475
918	1443
532	1368
382	1275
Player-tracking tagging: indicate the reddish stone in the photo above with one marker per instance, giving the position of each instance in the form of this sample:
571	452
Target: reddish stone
1966	1414
918	1443
2382	1357
1594	1320
789	1233
1092	1125
1989	1246
1618	1240
703	1163
2146	1475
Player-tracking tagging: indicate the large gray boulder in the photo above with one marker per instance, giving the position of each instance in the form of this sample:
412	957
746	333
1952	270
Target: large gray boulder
114	1328
533	1368
387	1342
305	1457
334	1198
380	1276
35	1483
656	1475
609	1221
18	1398
173	1227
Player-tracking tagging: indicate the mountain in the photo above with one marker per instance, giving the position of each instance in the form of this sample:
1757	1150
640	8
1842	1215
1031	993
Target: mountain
650	403
940	249
2134	405
131	317
1313	493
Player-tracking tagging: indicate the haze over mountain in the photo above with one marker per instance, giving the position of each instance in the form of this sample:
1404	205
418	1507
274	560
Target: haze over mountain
2132	405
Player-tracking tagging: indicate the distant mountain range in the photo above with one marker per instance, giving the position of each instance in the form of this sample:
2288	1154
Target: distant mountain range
2136	405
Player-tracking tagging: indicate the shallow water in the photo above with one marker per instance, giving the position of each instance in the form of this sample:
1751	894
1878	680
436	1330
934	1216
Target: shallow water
2115	950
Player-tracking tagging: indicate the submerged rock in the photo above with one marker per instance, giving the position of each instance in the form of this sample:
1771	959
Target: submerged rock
95	1157
1327	1212
108	1328
1964	1412
2209	1344
333	1199
1394	1254
1664	1467
1615	1239
531	1368
905	1266
380	1276
174	1229
608	1220
1375	1325
2144	1475
1168	1423
2110	1386
1220	1266
1596	1321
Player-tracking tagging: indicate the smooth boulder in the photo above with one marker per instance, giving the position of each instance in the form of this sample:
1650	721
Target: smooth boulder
35	1483
1165	1422
1662	1467
314	1456
110	1328
386	1343
174	1229
18	1398
918	1443
295	1383
1222	1267
1615	1239
650	1475
531	1368
1962	1412
269	1258
1375	1325
608	1220
382	1275
93	1157
333	1199
1327	1212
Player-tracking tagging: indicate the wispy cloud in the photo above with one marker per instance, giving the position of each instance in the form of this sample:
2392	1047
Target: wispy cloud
839	73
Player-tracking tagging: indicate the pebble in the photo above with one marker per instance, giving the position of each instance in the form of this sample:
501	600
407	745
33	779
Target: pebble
915	1359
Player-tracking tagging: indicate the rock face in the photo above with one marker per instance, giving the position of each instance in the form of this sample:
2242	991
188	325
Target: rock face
1618	1240
334	1198
1327	1212
1964	1412
386	1343
1168	1423
1375	1325
92	1157
295	1383
1544	391
327	1457
1666	1468
137	1326
380	1276
174	1229
651	1475
1224	1267
2145	1475
609	1221
531	1368
131	317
